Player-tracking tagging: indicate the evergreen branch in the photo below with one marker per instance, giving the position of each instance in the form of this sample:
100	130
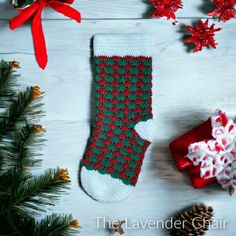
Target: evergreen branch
18	149
17	224
22	195
38	191
21	106
23	143
8	180
7	81
54	224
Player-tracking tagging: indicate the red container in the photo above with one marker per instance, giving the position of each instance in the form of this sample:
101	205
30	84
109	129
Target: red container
179	150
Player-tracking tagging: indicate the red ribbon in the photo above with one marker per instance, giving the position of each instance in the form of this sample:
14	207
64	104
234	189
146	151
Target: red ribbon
35	11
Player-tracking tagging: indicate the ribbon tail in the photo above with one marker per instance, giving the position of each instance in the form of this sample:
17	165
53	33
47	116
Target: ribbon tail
68	1
23	16
66	10
39	40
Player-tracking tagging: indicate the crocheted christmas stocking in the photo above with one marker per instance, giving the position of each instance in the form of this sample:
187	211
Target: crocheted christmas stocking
123	127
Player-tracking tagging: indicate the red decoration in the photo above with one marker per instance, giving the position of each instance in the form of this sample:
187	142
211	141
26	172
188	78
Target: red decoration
224	9
34	11
202	35
166	8
179	150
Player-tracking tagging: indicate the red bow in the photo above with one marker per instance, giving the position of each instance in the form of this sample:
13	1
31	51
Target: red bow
35	11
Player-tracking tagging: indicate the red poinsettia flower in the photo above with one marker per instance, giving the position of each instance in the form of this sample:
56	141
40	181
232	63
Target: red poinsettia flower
166	8
224	9
202	35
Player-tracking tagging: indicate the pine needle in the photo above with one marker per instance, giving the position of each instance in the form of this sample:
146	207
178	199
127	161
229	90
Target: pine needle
22	194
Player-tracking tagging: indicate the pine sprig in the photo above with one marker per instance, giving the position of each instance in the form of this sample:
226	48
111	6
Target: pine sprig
22	194
38	191
20	148
24	141
7	81
21	107
51	225
57	225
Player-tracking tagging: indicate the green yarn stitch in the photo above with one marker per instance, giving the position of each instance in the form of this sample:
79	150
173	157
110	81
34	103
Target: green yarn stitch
108	104
134	71
108	96
108	113
126	142
108	70
147	62
140	141
122	62
107	121
133	88
106	163
121	71
97	151
137	148
102	136
133	79
120	159
115	175
132	96
108	155
146	71
129	133
120	114
112	147
126	181
97	60
132	115
109	62
132	164
99	143
120	97
146	88
118	122
115	139
121	88
122	79
89	166
117	131
105	128
102	171
108	87
93	159
123	151
118	167
109	78
129	173
131	105
134	156
134	62
120	105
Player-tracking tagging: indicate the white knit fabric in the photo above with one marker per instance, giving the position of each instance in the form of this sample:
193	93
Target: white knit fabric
102	187
145	129
122	45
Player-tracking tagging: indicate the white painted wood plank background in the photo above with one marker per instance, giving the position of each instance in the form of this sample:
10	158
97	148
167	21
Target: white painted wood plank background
115	9
187	88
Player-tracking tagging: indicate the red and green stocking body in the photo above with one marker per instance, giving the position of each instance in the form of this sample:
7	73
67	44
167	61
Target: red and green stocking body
123	127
